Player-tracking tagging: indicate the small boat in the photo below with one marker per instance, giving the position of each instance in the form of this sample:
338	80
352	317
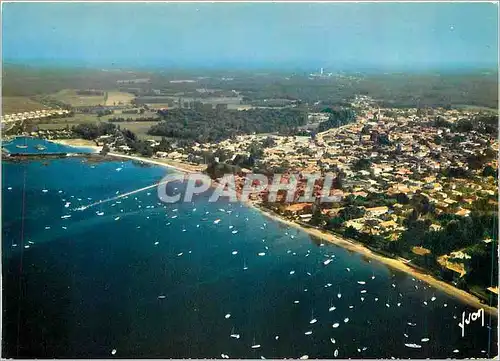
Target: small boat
361	282
255	346
313	320
425	339
413	345
307	333
234	335
336	325
244	265
305	357
327	262
336	353
346	319
332	340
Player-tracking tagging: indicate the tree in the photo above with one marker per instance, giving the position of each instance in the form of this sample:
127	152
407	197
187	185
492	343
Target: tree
105	149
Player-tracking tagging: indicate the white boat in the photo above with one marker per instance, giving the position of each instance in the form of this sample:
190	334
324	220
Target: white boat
255	346
313	320
425	339
217	221
336	325
336	353
332	340
307	333
235	335
361	282
327	262
262	254
227	316
346	319
305	357
413	345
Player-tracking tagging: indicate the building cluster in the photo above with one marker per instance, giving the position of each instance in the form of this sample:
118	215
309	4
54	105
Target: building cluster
397	153
37	114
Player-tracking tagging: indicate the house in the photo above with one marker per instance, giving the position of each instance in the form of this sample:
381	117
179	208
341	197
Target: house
376	211
161	154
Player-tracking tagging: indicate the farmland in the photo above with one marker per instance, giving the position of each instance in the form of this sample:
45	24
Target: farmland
119	98
140	129
19	104
70	96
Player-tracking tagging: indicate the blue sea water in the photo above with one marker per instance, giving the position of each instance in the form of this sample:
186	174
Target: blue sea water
23	145
169	281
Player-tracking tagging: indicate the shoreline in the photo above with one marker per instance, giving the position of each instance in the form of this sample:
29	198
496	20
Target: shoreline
77	143
396	264
359	248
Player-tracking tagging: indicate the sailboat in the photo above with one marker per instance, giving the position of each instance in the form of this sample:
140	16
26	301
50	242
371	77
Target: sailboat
234	335
254	344
332	307
313	320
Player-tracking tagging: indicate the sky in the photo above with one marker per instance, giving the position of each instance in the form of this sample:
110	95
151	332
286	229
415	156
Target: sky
336	36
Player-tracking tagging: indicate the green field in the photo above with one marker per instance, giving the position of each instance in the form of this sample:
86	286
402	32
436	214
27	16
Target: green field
19	104
140	129
59	123
69	96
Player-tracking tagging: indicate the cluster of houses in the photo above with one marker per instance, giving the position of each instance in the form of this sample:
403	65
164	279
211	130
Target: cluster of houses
37	114
401	152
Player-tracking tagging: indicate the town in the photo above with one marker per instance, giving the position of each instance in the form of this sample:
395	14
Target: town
405	177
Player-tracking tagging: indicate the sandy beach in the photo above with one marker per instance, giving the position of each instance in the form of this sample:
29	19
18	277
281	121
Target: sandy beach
396	264
463	296
77	143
